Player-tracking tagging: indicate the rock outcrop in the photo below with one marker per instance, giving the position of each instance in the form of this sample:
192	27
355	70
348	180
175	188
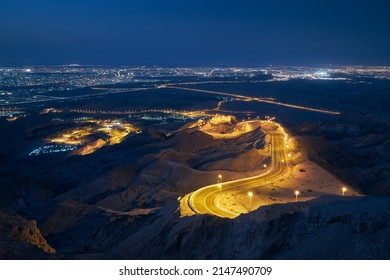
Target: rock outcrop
21	238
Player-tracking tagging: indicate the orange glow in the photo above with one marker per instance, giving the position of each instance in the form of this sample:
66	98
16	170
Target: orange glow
110	132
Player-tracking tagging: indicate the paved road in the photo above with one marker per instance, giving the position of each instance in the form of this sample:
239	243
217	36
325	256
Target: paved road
258	99
206	199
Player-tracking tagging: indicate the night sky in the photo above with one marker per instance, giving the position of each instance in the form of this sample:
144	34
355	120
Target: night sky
195	33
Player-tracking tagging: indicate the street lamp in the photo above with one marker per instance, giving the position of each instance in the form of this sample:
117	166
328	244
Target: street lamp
220	195
219	178
265	167
344	190
250	194
296	196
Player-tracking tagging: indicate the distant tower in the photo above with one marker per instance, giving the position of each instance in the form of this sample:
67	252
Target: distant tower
118	74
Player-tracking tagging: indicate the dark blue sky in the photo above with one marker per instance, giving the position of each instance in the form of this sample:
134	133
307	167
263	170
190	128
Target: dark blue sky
203	32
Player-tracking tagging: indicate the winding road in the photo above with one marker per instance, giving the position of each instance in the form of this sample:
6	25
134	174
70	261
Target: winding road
206	200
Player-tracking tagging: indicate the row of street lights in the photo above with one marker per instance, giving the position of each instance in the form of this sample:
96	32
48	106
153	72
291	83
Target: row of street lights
250	194
344	189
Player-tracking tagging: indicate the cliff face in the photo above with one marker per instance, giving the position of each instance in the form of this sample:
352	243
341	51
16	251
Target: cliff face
325	228
21	238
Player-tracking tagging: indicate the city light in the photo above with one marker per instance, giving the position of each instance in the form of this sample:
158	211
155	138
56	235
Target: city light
250	194
344	190
48	149
219	178
296	196
84	132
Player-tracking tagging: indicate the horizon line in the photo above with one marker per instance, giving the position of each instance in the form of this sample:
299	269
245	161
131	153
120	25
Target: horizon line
189	65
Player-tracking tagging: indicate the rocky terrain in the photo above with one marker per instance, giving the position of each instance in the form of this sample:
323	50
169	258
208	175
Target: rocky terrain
355	147
325	228
21	238
86	205
130	210
121	202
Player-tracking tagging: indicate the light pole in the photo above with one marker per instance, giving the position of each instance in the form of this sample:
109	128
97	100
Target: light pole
344	190
220	195
250	194
265	173
296	196
219	178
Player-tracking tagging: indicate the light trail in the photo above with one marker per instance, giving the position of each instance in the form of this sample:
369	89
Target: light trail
63	98
258	99
131	112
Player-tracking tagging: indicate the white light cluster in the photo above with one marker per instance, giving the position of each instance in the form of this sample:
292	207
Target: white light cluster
48	149
162	117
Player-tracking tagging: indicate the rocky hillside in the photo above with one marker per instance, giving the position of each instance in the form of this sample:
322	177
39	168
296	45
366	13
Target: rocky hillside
325	228
355	147
86	205
21	238
121	202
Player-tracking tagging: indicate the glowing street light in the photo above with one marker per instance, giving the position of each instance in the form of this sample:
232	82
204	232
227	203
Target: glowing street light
296	196
220	195
219	178
250	194
344	190
265	167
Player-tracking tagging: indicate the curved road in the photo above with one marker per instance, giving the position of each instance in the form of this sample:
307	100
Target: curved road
205	200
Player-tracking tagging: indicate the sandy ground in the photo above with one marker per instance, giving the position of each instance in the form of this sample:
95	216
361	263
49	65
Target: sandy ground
308	178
